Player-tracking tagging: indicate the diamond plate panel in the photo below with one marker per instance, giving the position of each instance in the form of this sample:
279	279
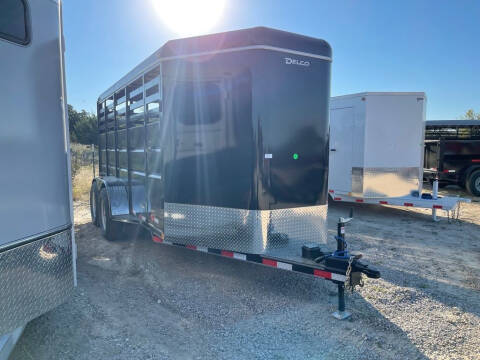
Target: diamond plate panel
34	278
249	231
385	182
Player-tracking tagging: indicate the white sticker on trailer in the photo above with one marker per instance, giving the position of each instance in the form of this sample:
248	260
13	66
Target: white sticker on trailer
202	248
239	256
284	266
338	277
268	156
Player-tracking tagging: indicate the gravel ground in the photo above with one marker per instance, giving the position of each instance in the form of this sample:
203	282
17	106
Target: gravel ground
141	300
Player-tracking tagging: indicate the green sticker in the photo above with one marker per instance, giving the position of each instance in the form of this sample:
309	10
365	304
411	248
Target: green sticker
295	156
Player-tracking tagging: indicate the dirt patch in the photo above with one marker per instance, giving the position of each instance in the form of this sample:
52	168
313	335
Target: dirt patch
141	300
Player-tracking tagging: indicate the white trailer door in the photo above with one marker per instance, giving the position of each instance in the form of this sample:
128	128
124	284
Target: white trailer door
341	150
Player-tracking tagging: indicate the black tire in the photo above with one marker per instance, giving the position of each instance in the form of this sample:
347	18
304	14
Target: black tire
94	205
105	218
473	183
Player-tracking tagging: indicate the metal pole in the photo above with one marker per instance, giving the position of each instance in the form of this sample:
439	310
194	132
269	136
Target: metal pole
340	236
341	298
435	197
341	314
93	159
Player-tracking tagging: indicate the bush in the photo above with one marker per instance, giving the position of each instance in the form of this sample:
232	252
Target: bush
83	126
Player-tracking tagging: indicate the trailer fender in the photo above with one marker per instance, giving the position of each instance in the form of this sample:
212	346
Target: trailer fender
117	193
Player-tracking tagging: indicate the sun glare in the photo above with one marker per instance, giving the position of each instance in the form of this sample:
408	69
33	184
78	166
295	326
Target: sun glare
189	17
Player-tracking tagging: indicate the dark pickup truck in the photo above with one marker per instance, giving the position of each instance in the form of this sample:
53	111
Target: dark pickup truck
452	153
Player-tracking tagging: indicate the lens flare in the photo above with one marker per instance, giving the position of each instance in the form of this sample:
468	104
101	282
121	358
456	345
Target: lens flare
189	17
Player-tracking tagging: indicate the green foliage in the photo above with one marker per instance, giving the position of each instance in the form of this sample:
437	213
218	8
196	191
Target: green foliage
471	115
83	126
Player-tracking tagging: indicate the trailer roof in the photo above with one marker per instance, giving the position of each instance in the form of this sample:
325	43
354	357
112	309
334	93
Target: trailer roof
367	93
453	122
246	39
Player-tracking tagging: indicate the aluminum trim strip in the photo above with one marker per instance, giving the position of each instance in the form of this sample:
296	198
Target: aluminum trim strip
251	47
34	237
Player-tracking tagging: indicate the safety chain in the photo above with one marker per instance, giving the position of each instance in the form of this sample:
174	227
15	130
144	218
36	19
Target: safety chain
348	283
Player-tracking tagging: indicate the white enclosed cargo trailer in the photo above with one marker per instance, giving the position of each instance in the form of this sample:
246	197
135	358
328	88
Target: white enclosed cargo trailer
376	150
37	248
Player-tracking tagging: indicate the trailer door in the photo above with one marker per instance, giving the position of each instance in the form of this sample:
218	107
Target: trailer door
34	187
341	150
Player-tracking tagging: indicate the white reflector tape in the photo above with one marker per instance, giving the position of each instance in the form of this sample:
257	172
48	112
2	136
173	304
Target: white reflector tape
167	242
239	256
338	277
202	248
284	266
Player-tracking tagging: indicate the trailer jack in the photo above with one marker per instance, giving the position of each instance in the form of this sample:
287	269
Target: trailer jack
343	262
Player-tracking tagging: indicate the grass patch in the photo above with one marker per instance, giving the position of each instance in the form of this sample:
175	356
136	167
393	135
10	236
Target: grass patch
81	183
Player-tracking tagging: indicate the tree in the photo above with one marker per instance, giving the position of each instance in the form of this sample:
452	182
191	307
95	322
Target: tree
471	115
83	126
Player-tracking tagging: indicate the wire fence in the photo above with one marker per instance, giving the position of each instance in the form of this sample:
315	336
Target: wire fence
84	156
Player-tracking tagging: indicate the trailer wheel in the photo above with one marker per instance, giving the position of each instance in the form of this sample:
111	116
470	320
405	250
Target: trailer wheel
105	218
94	205
473	183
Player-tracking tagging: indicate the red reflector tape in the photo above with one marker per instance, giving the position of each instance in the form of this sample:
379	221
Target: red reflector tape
331	191
437	206
227	253
359	200
323	274
152	218
269	262
157	239
476	160
407	204
193	247
337	199
383	202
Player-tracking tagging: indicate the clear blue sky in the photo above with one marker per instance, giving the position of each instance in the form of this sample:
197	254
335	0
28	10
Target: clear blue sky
404	45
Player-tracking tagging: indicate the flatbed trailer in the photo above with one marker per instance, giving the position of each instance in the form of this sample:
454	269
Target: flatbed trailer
450	205
37	244
219	144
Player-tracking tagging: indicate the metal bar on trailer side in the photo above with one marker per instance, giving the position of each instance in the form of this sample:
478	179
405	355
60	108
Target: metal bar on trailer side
129	162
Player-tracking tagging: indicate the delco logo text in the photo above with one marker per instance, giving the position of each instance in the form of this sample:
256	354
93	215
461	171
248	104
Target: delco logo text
290	61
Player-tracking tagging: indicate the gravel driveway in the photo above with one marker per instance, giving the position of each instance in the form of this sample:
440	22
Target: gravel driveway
140	300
